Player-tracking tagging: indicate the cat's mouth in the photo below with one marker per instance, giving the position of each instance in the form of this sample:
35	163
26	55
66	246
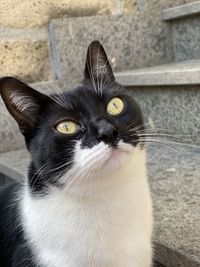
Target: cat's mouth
117	156
117	152
102	156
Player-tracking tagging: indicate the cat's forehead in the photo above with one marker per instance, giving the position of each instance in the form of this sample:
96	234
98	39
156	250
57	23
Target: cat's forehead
83	98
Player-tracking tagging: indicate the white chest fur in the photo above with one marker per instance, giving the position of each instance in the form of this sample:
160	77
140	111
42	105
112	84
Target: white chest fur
111	230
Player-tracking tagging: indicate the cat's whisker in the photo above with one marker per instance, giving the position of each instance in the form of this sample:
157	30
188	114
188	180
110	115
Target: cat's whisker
163	135
172	142
86	163
103	78
159	130
52	89
66	164
63	103
37	175
167	144
85	181
146	124
91	70
83	176
183	138
77	174
97	68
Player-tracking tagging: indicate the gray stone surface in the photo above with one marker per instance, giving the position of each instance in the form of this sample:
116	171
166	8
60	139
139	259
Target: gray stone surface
174	180
10	137
14	164
171	107
177	12
141	40
175	185
182	73
130	42
186	38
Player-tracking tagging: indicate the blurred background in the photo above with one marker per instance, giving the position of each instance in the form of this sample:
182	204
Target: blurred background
154	49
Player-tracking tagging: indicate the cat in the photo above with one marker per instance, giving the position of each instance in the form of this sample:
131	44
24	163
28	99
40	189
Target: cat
85	200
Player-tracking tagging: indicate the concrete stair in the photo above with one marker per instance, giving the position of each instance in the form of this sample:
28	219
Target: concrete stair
174	74
185	25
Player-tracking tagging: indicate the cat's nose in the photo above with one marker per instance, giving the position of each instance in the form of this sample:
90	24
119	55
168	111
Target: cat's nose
107	132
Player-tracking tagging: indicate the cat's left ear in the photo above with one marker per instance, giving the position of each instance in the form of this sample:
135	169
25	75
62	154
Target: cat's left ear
97	68
22	101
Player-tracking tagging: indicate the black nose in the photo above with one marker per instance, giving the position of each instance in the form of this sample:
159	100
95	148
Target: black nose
107	132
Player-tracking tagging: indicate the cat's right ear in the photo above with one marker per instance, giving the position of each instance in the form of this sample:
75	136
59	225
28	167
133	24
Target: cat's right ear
22	101
97	66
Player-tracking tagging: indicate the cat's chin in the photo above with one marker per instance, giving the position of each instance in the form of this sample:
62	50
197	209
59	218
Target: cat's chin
116	159
111	159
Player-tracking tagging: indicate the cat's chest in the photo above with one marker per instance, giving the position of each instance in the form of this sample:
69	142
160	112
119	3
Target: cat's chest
65	232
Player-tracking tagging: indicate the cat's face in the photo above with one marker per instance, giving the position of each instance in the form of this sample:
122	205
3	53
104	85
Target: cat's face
80	134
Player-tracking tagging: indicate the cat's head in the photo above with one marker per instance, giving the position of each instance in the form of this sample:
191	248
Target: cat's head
78	135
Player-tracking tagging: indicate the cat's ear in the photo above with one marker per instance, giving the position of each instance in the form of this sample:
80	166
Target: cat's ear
97	68
22	102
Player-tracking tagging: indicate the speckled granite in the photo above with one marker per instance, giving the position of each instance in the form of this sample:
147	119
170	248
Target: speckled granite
141	40
175	108
175	185
181	73
129	41
186	38
181	11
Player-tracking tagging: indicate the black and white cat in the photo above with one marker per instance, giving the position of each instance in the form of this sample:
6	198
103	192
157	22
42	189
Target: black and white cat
86	200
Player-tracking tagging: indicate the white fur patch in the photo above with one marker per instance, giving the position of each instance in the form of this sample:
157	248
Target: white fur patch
111	226
22	102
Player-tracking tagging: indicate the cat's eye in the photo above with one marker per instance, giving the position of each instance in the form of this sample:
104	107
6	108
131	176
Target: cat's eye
115	106
67	127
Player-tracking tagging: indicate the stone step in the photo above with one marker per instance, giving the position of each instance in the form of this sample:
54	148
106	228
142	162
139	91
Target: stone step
10	138
181	73
129	41
174	180
185	22
168	95
25	54
181	11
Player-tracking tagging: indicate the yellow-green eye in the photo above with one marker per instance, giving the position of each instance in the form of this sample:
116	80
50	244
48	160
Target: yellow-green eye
67	127
115	106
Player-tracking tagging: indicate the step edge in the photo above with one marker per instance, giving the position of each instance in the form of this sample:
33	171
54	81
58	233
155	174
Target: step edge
181	11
